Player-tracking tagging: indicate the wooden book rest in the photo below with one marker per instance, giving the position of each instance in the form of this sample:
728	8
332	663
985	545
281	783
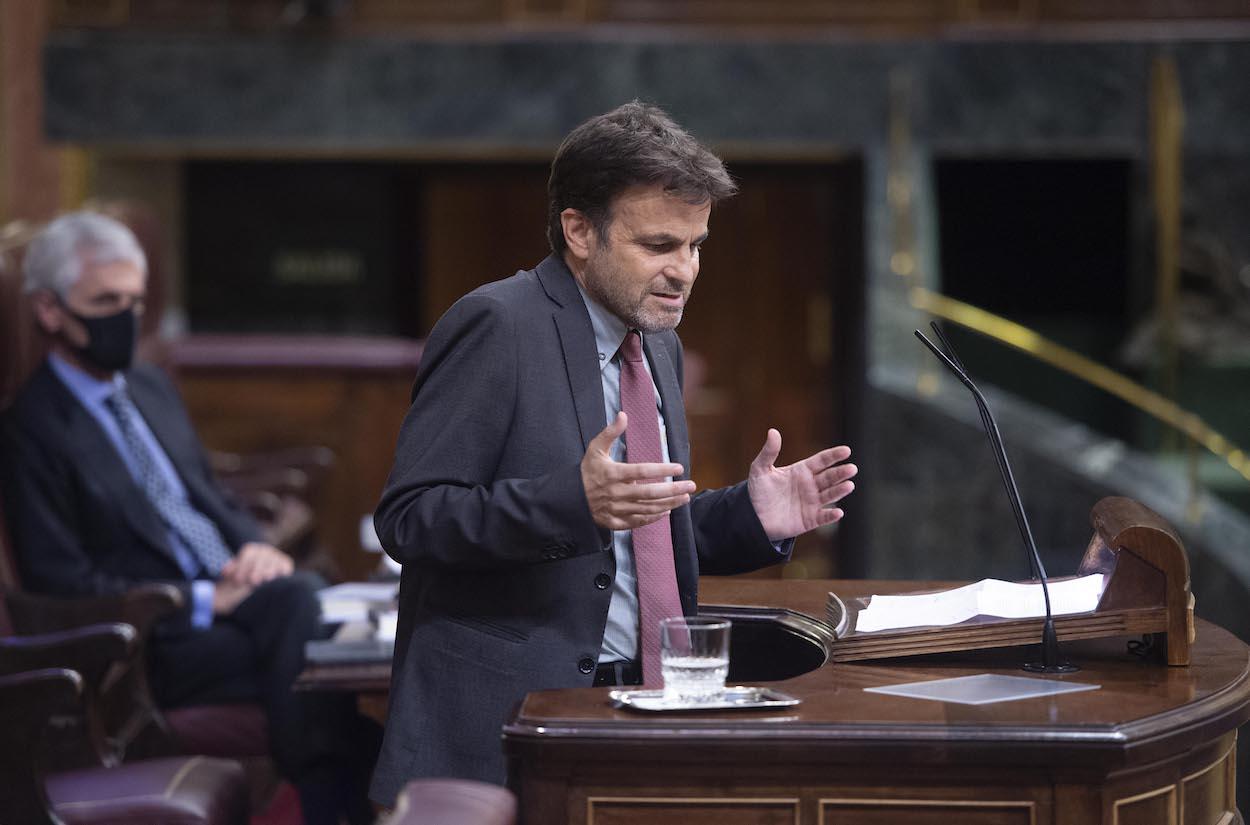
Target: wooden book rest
1146	592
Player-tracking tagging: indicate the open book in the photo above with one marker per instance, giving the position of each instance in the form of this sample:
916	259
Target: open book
988	597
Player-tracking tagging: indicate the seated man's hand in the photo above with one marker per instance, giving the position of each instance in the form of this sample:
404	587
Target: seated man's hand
624	496
257	563
227	594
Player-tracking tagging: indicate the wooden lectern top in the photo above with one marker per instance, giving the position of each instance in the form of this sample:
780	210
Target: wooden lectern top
1147	592
1137	698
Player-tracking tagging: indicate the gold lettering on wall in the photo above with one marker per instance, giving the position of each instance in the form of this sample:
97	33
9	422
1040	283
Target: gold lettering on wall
317	267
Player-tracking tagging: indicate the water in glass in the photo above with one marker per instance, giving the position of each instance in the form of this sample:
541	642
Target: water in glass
694	658
694	678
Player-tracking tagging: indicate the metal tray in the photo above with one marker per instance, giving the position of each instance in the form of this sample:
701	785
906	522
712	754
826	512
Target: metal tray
733	698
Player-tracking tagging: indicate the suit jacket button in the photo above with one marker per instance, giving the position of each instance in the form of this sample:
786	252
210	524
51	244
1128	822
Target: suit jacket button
602	581
586	665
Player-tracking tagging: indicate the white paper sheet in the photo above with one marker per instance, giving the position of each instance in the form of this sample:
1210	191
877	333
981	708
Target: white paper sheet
988	597
983	689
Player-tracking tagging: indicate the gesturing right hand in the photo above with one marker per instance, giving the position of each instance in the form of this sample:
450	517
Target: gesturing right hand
623	496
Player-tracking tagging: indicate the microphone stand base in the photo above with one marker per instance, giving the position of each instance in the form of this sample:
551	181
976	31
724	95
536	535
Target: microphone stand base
1040	667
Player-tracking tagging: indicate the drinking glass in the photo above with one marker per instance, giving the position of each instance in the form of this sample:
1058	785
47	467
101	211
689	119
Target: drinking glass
694	658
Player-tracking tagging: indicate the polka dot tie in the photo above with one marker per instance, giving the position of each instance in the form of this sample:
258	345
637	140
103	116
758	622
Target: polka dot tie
193	527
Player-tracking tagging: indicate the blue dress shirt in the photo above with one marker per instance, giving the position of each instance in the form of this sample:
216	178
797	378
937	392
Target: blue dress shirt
91	393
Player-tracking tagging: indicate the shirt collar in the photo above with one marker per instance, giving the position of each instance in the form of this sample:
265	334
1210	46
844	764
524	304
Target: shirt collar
87	388
609	330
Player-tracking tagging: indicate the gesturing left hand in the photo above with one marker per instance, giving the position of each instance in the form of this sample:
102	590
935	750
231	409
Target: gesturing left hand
793	499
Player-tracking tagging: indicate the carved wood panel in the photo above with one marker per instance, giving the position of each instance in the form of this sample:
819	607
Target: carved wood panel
926	812
691	811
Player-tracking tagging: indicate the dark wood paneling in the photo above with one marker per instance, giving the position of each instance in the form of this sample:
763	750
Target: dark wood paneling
912	15
1157	807
481	223
925	812
1141	9
354	410
30	174
792	12
428	11
1209	793
696	811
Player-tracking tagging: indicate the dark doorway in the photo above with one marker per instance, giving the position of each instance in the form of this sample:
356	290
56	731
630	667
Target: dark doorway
301	247
1045	243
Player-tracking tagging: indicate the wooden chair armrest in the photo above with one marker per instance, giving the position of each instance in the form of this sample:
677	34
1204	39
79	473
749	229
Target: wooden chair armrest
286	521
102	655
311	461
124	718
141	606
279	480
91	651
28	703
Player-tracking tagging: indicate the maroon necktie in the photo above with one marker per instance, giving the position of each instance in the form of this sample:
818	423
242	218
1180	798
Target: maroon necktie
653	543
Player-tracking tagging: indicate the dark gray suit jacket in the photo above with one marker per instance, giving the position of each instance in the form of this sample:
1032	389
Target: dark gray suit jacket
485	510
80	523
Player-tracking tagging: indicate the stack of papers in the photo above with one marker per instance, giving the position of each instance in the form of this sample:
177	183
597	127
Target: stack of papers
988	597
352	601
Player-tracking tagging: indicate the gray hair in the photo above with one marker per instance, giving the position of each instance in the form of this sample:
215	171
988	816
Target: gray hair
56	257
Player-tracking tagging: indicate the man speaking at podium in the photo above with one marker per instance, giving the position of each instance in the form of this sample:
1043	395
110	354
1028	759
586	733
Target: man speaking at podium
540	502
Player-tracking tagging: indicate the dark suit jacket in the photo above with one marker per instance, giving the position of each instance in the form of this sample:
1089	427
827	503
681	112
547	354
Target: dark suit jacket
80	523
501	592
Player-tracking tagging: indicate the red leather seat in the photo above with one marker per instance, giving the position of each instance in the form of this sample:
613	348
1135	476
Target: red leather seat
232	730
453	802
187	790
38	696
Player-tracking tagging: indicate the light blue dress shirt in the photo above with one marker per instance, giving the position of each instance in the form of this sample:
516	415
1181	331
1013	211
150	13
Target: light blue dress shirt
91	393
620	636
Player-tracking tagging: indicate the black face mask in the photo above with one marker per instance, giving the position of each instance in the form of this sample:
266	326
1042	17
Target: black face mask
110	339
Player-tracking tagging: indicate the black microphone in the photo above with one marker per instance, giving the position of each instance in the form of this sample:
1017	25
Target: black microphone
1050	663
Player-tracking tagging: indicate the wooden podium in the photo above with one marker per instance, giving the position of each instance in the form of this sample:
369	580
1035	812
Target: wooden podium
1153	744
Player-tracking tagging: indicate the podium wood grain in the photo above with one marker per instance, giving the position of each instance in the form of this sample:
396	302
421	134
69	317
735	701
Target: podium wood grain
1155	744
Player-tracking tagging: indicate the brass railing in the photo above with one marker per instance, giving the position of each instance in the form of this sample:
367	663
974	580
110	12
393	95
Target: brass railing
1073	363
1167	123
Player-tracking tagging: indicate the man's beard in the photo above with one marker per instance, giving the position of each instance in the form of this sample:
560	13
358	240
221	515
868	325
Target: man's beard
613	292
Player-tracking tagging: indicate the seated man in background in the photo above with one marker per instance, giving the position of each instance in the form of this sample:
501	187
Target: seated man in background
107	486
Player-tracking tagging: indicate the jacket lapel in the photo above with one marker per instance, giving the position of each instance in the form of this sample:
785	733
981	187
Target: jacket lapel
107	467
577	343
665	374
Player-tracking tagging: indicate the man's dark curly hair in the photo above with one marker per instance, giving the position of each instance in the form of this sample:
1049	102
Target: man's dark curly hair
631	145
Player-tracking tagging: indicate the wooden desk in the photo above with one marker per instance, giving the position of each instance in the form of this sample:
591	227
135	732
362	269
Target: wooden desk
371	678
1154	744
